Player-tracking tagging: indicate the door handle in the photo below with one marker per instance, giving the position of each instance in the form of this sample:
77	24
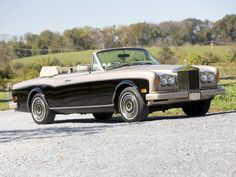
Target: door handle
68	80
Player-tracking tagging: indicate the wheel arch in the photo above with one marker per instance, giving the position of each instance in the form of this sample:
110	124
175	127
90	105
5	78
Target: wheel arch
120	87
33	92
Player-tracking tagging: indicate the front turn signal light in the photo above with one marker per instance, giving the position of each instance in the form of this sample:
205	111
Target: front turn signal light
155	81
143	90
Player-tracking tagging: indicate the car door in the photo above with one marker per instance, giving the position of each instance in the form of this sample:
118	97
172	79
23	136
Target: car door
78	89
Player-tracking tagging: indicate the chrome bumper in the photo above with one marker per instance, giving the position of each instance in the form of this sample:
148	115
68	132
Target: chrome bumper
12	105
188	95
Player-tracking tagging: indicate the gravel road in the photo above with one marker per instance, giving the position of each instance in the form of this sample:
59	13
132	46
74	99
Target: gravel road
79	146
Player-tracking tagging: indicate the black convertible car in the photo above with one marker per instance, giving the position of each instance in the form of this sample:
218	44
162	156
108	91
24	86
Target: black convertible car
129	81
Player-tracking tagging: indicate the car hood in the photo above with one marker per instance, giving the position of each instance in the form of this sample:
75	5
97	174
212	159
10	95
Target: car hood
164	69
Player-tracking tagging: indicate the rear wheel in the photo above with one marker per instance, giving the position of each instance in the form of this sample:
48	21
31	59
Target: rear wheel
40	111
197	108
132	106
102	116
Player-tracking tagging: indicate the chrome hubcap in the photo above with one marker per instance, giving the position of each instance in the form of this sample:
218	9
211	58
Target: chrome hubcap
38	109
129	106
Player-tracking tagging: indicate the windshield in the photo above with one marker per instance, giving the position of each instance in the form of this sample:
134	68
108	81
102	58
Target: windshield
125	57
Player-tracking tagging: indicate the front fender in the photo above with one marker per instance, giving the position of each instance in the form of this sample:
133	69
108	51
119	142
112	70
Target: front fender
128	83
31	94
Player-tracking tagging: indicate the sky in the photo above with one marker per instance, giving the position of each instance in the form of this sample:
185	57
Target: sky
18	17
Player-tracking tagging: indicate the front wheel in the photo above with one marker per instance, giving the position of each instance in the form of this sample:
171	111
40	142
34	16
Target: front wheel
132	106
197	108
40	111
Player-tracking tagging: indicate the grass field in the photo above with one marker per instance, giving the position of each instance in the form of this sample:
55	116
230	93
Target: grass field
75	58
3	106
72	58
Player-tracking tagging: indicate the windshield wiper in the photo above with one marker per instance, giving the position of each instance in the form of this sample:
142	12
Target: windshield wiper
141	63
118	66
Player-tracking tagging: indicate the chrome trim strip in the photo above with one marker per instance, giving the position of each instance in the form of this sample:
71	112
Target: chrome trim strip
82	107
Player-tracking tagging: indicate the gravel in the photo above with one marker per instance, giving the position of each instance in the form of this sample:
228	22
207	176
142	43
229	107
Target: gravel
78	145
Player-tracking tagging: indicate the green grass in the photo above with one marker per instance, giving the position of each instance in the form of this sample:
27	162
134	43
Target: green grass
228	101
220	51
73	58
3	106
227	68
70	58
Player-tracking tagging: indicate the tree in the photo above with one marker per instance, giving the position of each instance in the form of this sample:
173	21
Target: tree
77	38
44	42
5	56
191	28
188	31
110	37
58	43
139	34
225	29
21	49
173	33
31	40
155	36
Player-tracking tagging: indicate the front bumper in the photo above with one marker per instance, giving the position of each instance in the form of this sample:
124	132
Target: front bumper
185	95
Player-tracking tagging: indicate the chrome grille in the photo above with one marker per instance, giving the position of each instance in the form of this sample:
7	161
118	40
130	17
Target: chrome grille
188	79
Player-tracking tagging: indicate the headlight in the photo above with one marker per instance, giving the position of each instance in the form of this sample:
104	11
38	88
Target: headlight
211	77
204	77
167	80
207	77
171	80
164	81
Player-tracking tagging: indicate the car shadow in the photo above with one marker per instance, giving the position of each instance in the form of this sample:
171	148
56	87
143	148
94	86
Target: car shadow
118	119
49	132
155	118
90	120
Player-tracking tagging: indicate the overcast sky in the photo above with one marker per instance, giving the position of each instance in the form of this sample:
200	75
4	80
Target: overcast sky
21	16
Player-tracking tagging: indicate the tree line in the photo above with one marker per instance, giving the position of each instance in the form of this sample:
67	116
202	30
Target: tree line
189	31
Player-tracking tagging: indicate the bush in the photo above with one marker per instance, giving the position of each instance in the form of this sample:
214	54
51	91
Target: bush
3	83
5	71
180	54
55	62
192	59
231	56
18	65
209	58
30	72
